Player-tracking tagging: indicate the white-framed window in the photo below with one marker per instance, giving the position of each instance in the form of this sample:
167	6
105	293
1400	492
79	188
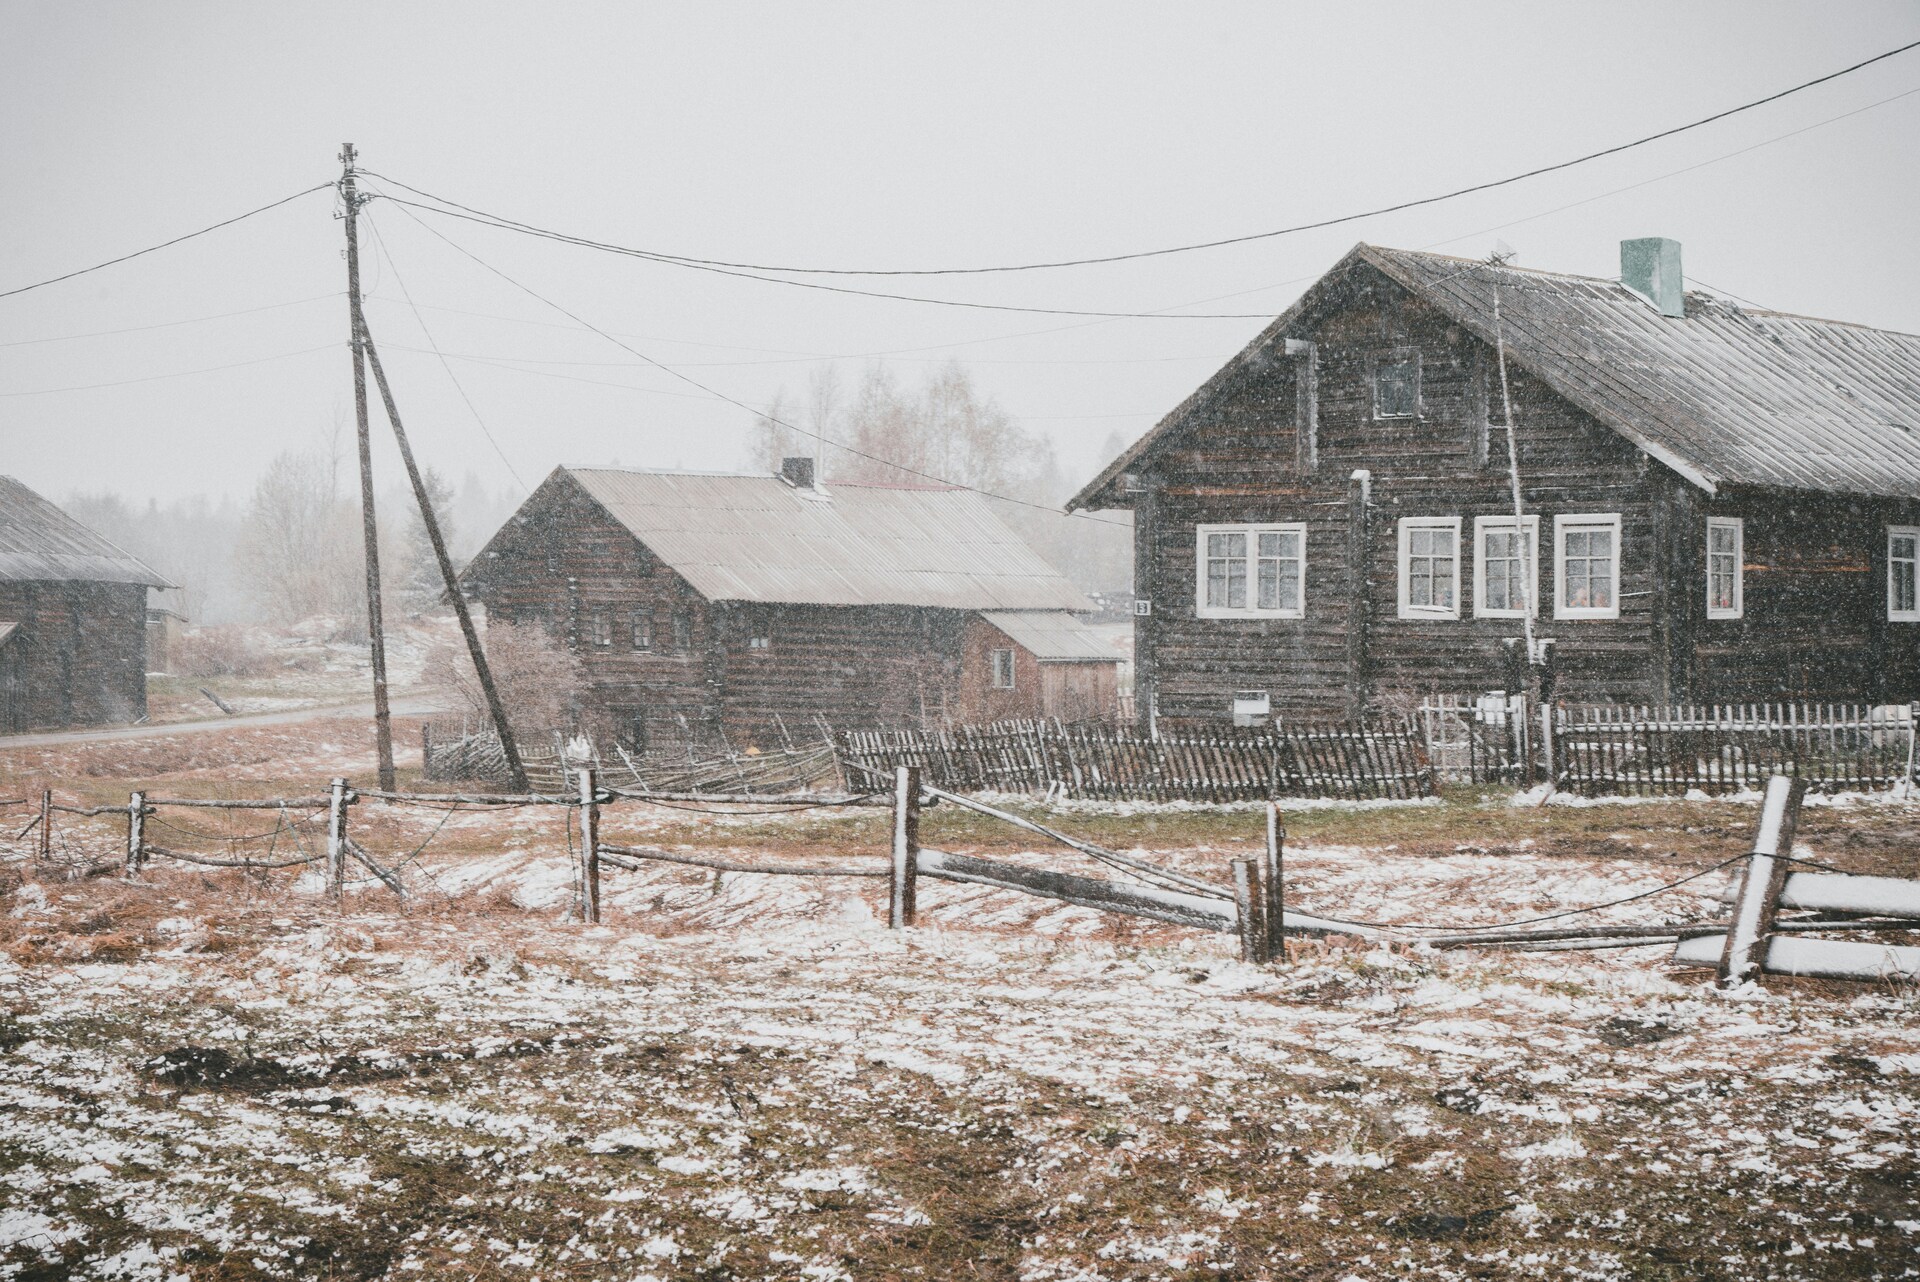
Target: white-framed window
1586	566
1903	573
1430	567
640	629
1251	571
1396	382
600	625
1726	554
1506	567
1000	664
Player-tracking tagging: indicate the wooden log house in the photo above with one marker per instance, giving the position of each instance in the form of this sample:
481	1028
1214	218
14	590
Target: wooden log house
758	607
1719	504
73	620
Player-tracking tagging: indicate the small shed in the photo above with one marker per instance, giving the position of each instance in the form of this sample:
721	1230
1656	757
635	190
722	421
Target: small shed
1036	663
73	619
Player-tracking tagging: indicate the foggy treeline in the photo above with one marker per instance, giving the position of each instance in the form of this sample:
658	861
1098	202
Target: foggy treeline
292	549
945	427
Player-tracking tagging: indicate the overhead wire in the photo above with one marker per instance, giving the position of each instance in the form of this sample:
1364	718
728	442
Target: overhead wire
191	320
505	225
150	378
1232	240
227	222
758	412
472	409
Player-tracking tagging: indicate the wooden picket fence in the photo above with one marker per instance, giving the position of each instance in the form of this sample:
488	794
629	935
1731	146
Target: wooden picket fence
1731	748
1097	760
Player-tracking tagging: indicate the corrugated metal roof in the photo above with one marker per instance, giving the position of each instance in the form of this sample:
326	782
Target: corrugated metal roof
1052	636
1724	395
39	541
756	538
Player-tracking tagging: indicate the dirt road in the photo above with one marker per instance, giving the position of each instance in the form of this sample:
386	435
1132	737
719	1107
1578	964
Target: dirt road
409	705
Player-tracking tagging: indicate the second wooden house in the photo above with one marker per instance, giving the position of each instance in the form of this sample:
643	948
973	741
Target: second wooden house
1717	504
760	608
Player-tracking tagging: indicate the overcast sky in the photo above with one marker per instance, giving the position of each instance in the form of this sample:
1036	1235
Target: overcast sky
844	135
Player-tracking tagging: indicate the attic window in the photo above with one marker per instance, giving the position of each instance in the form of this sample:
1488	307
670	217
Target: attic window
640	629
1396	382
759	630
601	628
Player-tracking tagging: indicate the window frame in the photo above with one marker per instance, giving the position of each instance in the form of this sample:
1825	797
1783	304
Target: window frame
1404	560
994	659
1252	531
1575	523
1738	526
600	627
640	630
1394	356
1903	532
1530	531
682	625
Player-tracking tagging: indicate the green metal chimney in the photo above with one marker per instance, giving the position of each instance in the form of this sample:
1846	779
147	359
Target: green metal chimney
1651	269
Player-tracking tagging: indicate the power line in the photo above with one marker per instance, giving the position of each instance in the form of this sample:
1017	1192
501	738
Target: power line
758	413
191	320
419	320
165	243
692	265
151	378
1230	240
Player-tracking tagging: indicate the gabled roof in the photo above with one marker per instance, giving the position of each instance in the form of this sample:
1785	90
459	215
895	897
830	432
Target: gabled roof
38	541
1052	636
1724	395
759	539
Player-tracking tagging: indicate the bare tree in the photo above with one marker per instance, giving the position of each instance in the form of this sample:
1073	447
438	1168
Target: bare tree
539	679
300	552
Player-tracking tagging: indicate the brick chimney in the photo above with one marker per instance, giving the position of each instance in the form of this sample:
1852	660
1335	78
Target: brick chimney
797	472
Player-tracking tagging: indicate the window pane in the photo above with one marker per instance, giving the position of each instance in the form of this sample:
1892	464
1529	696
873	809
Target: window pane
1394	387
1226	545
1279	543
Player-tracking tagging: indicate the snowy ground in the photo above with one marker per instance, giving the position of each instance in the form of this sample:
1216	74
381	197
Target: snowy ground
749	1077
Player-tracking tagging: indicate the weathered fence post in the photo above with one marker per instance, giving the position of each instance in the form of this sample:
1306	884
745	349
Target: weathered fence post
1906	784
46	822
906	846
1745	954
337	839
136	833
1270	877
589	845
1249	902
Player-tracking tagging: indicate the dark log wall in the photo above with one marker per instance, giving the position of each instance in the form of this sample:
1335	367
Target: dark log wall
79	657
1814	624
859	667
1238	464
563	559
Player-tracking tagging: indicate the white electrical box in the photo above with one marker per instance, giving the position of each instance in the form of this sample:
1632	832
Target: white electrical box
1251	707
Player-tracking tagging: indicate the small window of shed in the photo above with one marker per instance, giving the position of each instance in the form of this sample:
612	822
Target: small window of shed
1001	662
1396	383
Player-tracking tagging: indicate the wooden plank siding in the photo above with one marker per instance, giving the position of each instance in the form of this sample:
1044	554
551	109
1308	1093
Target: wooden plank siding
565	558
79	656
1239	465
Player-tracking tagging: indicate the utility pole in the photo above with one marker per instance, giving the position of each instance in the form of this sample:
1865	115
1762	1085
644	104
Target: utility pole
516	771
369	529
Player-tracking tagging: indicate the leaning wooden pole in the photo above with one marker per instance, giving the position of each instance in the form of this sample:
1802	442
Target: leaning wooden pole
516	772
351	198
